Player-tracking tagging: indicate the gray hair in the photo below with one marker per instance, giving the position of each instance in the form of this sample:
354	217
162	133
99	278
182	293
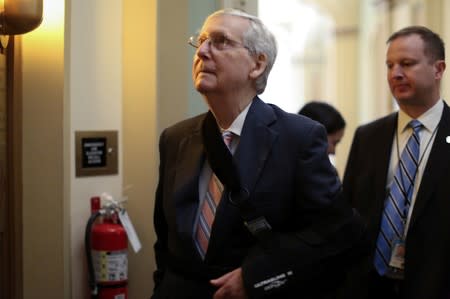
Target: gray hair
258	40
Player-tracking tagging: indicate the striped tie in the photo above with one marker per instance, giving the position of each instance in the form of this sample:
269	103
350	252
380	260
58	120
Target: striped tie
209	205
398	201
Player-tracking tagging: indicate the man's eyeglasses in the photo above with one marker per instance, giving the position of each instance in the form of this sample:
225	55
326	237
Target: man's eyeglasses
217	41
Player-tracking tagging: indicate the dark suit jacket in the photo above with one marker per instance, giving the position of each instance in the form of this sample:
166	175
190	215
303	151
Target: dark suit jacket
283	162
427	261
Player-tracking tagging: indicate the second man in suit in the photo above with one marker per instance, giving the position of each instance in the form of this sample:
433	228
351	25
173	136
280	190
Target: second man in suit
398	176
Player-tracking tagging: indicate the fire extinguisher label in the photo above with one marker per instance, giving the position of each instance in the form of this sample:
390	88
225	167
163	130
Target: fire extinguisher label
110	265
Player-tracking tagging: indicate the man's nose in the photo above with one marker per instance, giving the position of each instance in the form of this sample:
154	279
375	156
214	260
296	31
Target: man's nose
205	47
396	71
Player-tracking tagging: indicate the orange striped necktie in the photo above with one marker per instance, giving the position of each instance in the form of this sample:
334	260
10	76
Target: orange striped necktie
209	206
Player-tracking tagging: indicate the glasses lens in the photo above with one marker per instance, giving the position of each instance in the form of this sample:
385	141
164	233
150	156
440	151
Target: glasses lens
218	41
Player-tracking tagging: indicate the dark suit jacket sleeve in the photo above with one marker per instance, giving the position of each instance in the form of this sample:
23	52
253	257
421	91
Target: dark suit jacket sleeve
351	170
309	258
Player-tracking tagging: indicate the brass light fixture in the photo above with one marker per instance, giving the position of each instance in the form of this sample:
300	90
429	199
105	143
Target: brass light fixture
18	17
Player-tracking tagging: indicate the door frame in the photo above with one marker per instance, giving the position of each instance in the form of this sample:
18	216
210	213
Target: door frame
12	276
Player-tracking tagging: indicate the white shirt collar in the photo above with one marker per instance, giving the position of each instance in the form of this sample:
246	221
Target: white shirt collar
430	119
238	123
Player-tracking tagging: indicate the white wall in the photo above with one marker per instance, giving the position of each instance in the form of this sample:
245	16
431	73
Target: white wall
74	80
94	84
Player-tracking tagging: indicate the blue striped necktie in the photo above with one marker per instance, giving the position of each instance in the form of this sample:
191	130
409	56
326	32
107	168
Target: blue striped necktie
209	205
398	201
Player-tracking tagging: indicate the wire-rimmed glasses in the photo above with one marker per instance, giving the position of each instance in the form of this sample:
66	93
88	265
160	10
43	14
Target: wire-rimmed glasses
218	41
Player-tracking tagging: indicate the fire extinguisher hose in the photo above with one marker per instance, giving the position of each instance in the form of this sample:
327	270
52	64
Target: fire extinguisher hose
87	244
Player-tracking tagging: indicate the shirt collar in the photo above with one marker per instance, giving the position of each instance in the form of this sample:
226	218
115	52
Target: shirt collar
430	119
238	123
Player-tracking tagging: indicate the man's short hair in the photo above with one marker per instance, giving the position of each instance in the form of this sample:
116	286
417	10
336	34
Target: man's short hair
433	44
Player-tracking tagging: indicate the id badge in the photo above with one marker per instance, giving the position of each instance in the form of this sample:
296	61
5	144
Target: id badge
398	255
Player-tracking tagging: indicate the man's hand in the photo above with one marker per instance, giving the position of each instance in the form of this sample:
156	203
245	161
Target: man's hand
230	286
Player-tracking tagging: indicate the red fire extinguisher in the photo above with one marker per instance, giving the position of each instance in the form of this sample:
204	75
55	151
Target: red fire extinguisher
106	245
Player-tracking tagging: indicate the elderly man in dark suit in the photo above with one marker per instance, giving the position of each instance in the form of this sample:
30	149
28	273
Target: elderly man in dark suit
257	214
398	178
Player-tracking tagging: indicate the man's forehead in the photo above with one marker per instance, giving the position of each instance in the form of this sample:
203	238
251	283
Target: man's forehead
225	23
411	39
408	44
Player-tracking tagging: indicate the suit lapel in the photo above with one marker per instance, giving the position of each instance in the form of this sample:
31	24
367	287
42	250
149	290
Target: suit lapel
438	163
256	142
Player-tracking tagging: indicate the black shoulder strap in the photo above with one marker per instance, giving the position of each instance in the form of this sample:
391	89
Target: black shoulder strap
224	166
218	155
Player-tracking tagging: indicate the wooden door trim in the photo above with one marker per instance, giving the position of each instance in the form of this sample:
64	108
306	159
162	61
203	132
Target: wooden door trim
13	230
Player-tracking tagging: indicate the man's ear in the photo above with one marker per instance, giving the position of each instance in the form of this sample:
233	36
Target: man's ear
259	67
439	67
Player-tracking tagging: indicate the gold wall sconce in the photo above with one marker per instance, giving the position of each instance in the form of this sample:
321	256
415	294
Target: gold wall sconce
18	17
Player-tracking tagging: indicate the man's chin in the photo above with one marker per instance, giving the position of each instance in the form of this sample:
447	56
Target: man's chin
403	98
203	88
410	102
